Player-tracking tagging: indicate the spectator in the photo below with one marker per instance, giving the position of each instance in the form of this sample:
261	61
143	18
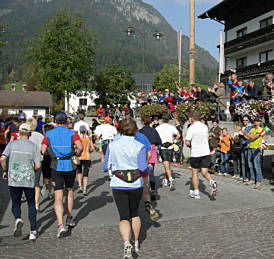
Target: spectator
101	111
236	156
244	148
171	102
108	110
252	91
267	86
125	109
224	144
233	84
214	138
118	114
201	94
218	91
133	102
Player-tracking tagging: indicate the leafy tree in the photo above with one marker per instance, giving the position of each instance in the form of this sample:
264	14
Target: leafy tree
64	53
2	31
112	84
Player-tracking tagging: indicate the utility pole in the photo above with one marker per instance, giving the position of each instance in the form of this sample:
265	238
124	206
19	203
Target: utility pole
143	56
192	50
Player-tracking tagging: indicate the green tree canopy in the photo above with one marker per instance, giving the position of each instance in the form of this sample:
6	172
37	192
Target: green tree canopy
112	84
2	31
64	54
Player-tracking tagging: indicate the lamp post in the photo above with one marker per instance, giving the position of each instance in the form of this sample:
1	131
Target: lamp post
192	50
157	35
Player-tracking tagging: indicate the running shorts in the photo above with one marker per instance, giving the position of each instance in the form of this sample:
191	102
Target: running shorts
61	179
166	155
200	162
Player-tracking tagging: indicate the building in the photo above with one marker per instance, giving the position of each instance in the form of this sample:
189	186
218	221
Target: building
148	81
30	102
249	36
83	100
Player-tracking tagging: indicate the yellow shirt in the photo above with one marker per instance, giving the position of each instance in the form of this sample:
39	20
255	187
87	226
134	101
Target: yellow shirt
86	142
257	143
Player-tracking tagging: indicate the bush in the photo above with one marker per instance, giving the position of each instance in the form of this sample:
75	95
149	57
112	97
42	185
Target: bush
153	110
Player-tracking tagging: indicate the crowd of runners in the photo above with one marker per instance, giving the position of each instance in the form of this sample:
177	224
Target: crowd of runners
60	150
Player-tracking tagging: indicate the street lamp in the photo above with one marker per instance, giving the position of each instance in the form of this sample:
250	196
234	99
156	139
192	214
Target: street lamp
157	35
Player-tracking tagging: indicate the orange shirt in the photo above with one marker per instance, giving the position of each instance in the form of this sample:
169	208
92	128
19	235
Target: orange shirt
86	143
225	144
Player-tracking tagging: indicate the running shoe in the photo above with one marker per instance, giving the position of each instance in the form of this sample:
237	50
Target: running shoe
213	188
85	193
153	214
17	232
225	174
221	174
70	222
165	182
193	194
128	250
153	196
79	190
234	177
61	231
33	235
136	247
172	185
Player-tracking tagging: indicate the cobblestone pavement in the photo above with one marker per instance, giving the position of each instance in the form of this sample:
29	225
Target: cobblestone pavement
238	224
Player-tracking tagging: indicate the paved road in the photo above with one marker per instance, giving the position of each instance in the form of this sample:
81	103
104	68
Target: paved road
238	224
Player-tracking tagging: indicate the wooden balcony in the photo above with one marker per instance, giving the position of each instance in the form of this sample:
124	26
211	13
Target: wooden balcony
251	39
252	71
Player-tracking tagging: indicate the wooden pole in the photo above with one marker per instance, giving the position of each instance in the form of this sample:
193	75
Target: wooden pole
192	50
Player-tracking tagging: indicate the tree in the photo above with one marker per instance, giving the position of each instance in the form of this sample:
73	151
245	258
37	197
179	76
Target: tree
64	53
112	84
2	31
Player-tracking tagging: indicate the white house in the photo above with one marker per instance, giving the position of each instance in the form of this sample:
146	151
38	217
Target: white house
30	102
249	36
82	99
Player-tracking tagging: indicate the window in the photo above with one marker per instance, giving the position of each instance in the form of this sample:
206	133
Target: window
266	22
242	32
241	62
35	112
83	102
264	56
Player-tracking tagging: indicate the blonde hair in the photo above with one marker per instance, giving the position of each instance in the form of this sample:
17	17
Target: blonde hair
33	123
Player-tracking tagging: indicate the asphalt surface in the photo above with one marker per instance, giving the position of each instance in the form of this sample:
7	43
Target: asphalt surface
239	223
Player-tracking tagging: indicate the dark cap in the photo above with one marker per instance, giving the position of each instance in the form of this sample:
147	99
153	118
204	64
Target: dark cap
166	117
61	118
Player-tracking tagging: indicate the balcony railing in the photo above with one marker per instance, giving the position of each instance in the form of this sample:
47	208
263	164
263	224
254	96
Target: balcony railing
253	71
250	39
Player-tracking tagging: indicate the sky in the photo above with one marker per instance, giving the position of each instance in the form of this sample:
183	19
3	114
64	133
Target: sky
176	12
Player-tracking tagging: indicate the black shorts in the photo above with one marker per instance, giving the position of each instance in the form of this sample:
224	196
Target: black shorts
63	178
127	202
84	167
46	170
166	155
37	177
105	146
200	162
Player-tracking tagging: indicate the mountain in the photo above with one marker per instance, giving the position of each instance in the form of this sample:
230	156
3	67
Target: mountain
108	19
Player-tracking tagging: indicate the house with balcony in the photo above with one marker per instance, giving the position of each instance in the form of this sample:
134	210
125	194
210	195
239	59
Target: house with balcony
249	36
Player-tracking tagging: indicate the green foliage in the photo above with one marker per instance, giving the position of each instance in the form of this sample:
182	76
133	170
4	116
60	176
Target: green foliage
153	110
112	84
206	110
64	53
2	31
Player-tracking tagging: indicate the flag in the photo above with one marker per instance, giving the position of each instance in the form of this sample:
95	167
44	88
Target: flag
179	52
264	131
212	152
235	94
222	56
264	145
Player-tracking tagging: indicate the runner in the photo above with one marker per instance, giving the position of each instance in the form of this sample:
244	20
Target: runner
127	183
167	133
62	144
79	123
197	140
24	158
85	163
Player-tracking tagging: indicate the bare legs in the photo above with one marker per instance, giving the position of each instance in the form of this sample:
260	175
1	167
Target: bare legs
126	226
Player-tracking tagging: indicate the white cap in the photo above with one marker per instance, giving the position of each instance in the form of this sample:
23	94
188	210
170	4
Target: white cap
25	127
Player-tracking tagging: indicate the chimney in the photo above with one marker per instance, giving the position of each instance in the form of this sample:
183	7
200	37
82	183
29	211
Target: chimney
13	87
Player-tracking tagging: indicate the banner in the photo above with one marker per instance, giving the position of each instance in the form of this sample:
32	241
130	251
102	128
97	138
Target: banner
222	56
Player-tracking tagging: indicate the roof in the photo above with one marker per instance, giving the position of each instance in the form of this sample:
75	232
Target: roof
25	99
148	78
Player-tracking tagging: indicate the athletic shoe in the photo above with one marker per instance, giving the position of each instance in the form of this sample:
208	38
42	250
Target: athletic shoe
213	188
85	193
17	232
79	190
172	185
70	222
128	251
153	196
225	174
153	214
61	231
194	195
165	183
221	174
234	177
33	235
136	247
37	207
44	191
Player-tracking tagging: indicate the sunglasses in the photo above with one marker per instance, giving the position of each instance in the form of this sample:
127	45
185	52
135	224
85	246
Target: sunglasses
245	120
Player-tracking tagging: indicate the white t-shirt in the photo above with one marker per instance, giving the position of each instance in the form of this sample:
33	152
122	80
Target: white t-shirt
167	132
78	124
105	131
197	134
